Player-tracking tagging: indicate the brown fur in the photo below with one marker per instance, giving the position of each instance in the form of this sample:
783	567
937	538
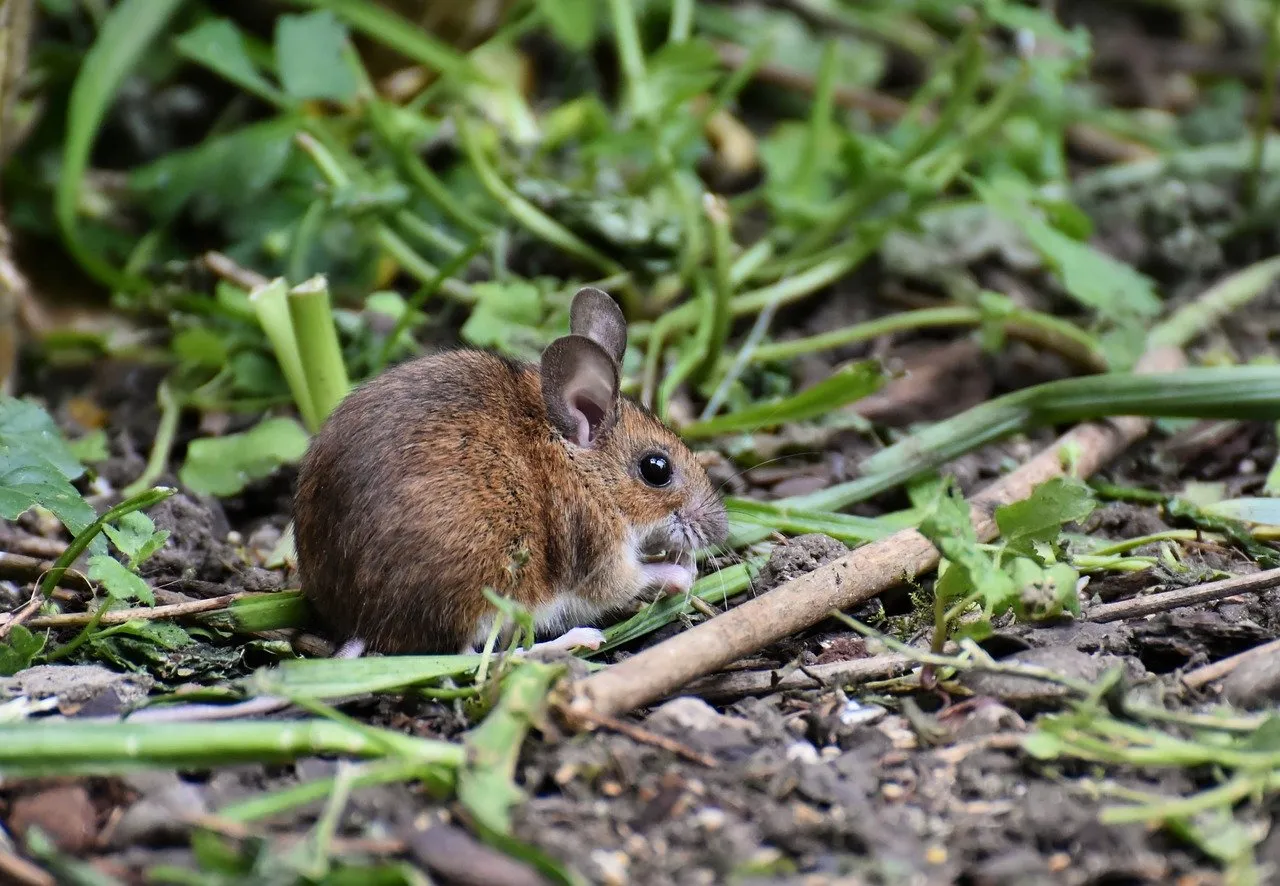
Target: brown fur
445	475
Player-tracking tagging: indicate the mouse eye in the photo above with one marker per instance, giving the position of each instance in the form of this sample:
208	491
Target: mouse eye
655	469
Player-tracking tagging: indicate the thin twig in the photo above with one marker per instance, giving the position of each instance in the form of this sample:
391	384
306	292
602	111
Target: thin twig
1219	669
579	716
721	687
31	607
21	568
146	613
865	572
232	272
1163	602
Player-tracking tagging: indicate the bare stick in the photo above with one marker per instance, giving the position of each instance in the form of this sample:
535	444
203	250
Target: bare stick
808	599
228	270
151	613
1219	669
1163	602
721	687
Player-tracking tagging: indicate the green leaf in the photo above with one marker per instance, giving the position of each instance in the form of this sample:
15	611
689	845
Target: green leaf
573	22
201	346
218	45
126	32
162	633
844	386
219	174
91	448
676	73
1039	517
310	57
20	650
225	465
36	467
27	426
118	581
136	537
1111	288
503	317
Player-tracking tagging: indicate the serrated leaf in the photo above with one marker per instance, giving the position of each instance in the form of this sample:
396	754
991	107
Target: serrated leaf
219	46
116	579
130	533
1039	517
310	57
573	22
19	650
136	537
223	466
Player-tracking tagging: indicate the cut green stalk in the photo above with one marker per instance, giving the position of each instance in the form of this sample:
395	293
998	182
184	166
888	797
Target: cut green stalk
65	747
318	348
80	543
270	302
844	386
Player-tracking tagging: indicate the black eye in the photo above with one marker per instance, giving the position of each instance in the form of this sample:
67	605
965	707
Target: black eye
655	469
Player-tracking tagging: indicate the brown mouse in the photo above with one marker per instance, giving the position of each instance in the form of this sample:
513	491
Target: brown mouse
464	470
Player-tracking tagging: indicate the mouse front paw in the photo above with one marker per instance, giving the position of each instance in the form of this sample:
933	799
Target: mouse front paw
576	638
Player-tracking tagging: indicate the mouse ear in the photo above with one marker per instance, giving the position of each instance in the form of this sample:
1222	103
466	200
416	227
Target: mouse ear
596	315
580	388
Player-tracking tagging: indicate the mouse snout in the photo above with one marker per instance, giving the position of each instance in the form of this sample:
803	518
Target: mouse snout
705	520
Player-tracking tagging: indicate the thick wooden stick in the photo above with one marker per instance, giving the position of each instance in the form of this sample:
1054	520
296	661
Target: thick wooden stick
808	599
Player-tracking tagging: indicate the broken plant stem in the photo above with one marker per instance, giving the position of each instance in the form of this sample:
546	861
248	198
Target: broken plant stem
311	314
270	304
1203	676
808	599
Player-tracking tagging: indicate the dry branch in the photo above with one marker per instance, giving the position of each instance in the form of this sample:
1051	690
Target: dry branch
1163	602
865	572
151	613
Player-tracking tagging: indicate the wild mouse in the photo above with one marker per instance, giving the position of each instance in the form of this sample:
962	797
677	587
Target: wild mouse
464	470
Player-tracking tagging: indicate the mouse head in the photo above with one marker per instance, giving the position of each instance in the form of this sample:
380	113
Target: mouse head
665	504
